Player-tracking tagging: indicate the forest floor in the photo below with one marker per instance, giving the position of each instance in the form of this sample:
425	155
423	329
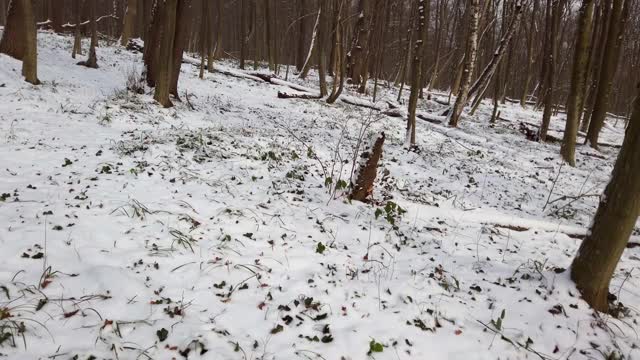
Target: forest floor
220	229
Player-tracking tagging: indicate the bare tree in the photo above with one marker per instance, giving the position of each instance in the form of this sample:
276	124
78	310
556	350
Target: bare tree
614	221
469	64
19	39
578	82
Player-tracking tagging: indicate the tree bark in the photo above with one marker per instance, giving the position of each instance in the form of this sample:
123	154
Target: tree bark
204	37
30	60
596	58
13	36
77	35
487	74
578	82
469	64
129	22
92	60
339	60
366	176
358	50
167	18
300	58
614	221
19	39
550	53
615	35
416	72
182	27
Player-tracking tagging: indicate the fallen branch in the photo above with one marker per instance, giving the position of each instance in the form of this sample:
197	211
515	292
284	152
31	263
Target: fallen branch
284	95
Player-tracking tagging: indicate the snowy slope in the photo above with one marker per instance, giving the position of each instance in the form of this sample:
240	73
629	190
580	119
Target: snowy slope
208	231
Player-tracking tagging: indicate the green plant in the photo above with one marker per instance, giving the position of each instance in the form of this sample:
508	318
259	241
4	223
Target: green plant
497	323
375	347
391	212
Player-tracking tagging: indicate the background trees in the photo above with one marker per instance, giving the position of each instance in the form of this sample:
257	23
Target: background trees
378	40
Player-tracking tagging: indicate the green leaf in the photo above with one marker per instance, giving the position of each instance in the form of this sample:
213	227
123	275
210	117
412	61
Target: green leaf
375	347
378	213
277	329
320	248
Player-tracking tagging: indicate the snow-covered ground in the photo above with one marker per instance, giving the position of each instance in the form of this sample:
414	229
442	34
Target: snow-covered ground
215	230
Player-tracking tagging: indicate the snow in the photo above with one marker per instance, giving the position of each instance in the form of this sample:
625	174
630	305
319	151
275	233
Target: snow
216	224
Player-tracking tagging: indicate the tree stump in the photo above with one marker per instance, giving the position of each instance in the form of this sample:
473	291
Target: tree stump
365	176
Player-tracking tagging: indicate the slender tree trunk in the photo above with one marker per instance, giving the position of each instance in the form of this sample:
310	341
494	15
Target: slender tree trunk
485	77
530	58
77	37
30	38
129	22
243	33
163	77
210	44
416	71
219	49
614	221
204	37
553	7
152	43
615	35
578	82
269	34
469	64
596	58
182	28
338	54
92	60
322	71
300	58
312	46
358	50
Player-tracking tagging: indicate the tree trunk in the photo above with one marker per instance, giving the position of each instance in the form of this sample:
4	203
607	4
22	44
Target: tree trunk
92	60
300	58
553	8
182	22
338	54
19	39
219	51
269	35
3	12
30	59
416	72
358	50
167	18
469	64
312	46
129	22
578	82
77	35
13	36
243	33
530	57
322	65
615	34
204	36
485	77
614	221
596	58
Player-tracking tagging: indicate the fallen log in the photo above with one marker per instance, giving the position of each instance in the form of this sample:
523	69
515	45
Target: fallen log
284	95
517	228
